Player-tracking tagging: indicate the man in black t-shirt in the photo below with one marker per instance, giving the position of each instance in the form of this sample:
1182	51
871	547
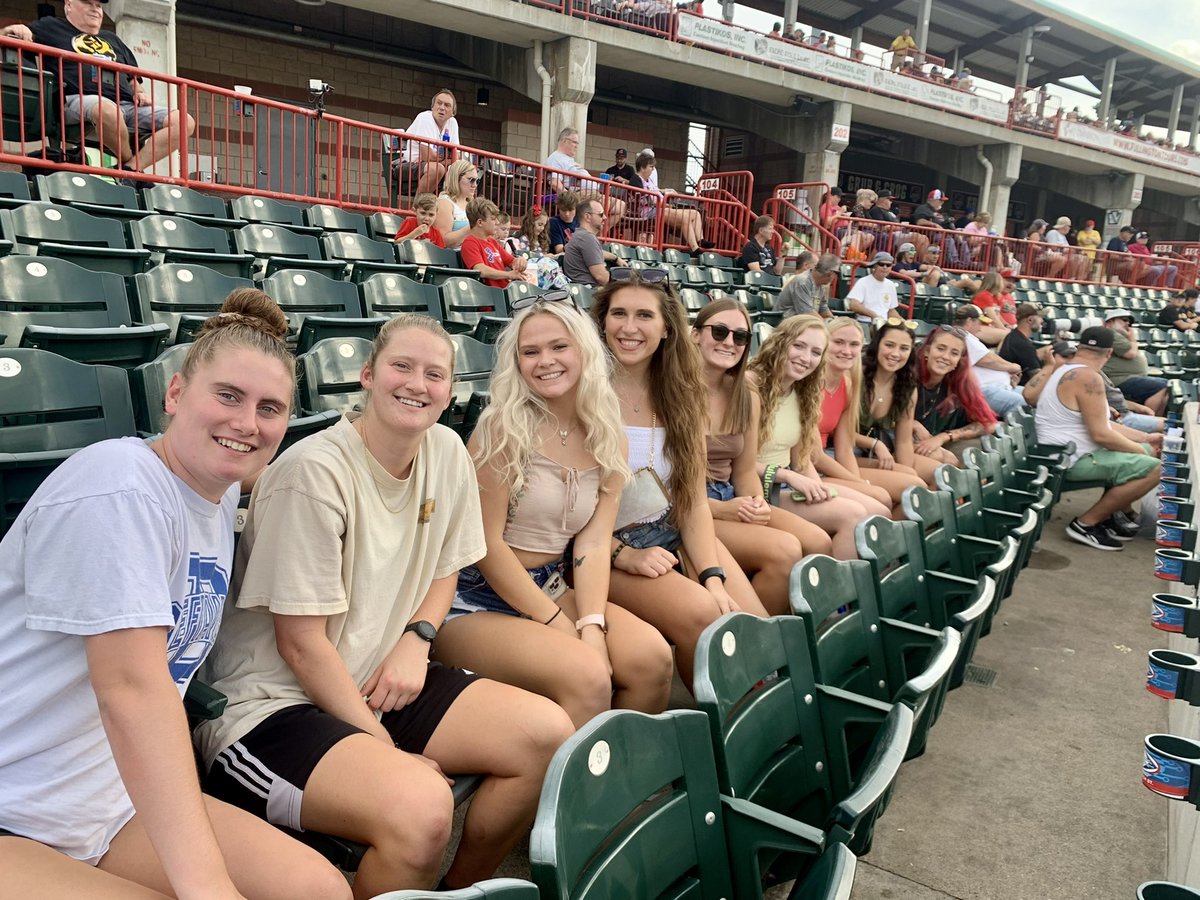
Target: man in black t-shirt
1174	314
881	211
621	172
114	101
930	212
757	255
1017	346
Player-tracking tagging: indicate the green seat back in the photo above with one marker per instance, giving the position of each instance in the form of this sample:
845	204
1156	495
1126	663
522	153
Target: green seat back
677	257
492	889
465	300
47	291
79	188
583	294
172	200
27	95
715	260
264	240
329	375
649	255
148	384
334	218
383	226
158	233
351	246
250	208
169	292
34	224
385	294
300	293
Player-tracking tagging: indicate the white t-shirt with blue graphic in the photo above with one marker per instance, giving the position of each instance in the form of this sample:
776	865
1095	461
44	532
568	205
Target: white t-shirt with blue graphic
111	540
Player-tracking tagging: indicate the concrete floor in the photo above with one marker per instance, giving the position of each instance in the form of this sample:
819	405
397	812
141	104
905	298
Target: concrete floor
1030	788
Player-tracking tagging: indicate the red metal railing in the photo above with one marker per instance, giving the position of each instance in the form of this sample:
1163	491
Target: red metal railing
650	16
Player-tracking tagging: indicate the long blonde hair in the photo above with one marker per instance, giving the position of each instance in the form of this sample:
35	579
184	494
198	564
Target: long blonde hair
676	388
767	368
854	392
505	435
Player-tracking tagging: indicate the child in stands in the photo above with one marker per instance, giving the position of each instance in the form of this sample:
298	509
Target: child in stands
419	226
112	581
482	251
562	226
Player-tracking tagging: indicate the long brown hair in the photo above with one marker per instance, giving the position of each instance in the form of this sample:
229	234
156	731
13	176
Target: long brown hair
767	369
739	410
675	386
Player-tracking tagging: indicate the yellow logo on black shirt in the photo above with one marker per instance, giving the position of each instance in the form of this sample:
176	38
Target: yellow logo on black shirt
93	45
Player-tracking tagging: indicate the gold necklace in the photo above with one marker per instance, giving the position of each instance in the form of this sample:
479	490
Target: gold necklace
563	435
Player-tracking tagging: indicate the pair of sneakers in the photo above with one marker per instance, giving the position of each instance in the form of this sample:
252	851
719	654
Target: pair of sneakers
1111	534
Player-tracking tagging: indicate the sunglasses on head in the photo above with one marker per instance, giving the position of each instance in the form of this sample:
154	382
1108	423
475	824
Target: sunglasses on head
741	337
952	329
646	276
558	296
909	324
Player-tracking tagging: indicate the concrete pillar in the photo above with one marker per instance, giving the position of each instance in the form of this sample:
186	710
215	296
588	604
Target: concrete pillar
1006	171
1173	118
824	143
1110	74
1139	123
1023	55
921	35
856	37
148	28
955	62
1195	132
572	64
1124	196
789	13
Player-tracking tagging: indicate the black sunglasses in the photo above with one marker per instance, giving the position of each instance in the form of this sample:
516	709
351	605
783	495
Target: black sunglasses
559	296
952	329
647	276
741	337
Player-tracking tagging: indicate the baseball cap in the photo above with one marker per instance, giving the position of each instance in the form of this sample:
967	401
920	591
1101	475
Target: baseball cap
1009	274
1063	222
1140	235
1096	338
970	311
1125	228
936	194
1063	348
884	195
906	248
1118	314
621	151
1028	310
882	257
1089	223
649	151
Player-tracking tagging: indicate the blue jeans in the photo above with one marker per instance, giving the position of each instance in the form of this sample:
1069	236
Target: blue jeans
720	490
659	533
474	594
1002	400
1142	422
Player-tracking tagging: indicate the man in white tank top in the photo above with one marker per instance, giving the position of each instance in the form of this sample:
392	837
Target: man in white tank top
1073	407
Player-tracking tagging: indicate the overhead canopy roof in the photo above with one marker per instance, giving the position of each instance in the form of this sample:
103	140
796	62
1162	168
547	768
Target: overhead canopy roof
988	37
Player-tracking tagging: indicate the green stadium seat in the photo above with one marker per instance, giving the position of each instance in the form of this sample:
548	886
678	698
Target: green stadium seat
492	889
435	264
50	407
857	649
913	592
94	243
974	518
174	239
1001	489
583	294
93	195
677	257
649	255
333	218
268	211
384	294
14	187
329	375
364	256
813	753
172	200
383	226
123	346
693	300
181	296
275	247
27	99
465	300
715	260
767	282
148	385
630	808
718	278
319	307
694	277
624	253
299	427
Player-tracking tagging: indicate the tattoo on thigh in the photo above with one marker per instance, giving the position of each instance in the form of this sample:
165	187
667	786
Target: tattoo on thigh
577	561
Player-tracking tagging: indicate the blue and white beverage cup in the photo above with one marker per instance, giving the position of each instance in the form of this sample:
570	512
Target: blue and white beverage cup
1176	565
1175	456
1172	612
1172	675
1170	764
1172	533
1174	487
1176	509
1176	470
1166	890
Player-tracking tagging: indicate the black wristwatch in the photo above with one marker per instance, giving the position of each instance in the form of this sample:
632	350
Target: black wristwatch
711	572
425	630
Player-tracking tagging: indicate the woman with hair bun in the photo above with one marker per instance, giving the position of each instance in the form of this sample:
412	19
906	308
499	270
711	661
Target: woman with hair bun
112	583
549	454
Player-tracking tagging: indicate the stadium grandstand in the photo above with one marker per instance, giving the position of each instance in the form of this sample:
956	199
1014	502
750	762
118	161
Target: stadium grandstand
919	679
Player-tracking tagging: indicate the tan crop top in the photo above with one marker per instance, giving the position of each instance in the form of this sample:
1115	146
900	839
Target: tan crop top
723	449
553	506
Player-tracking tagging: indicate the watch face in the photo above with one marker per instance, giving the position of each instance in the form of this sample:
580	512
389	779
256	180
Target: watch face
425	631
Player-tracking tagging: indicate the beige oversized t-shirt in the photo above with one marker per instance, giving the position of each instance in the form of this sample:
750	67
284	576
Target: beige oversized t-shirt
331	533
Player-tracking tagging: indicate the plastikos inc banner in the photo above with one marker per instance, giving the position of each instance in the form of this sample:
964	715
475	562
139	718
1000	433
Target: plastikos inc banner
808	61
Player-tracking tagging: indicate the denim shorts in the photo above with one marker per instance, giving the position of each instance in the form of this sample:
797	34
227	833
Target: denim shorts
659	533
720	490
474	594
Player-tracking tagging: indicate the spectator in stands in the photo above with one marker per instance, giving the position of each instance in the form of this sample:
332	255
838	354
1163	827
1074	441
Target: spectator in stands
549	453
816	39
766	541
1160	272
951	414
620	171
936	75
1089	240
1144	427
830	208
658	382
424	165
1127	366
997	377
565	222
806	261
1072	409
757	255
1174	314
881	209
1122	268
830	45
533	235
1074	267
858	238
932	273
122	115
793	34
963	81
889	396
1120	243
776	30
346	568
98	790
1018	344
930	212
903	48
419	226
989	302
462	180
584	259
788	373
482	252
838	428
874	297
688	222
906	261
808	292
564	160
